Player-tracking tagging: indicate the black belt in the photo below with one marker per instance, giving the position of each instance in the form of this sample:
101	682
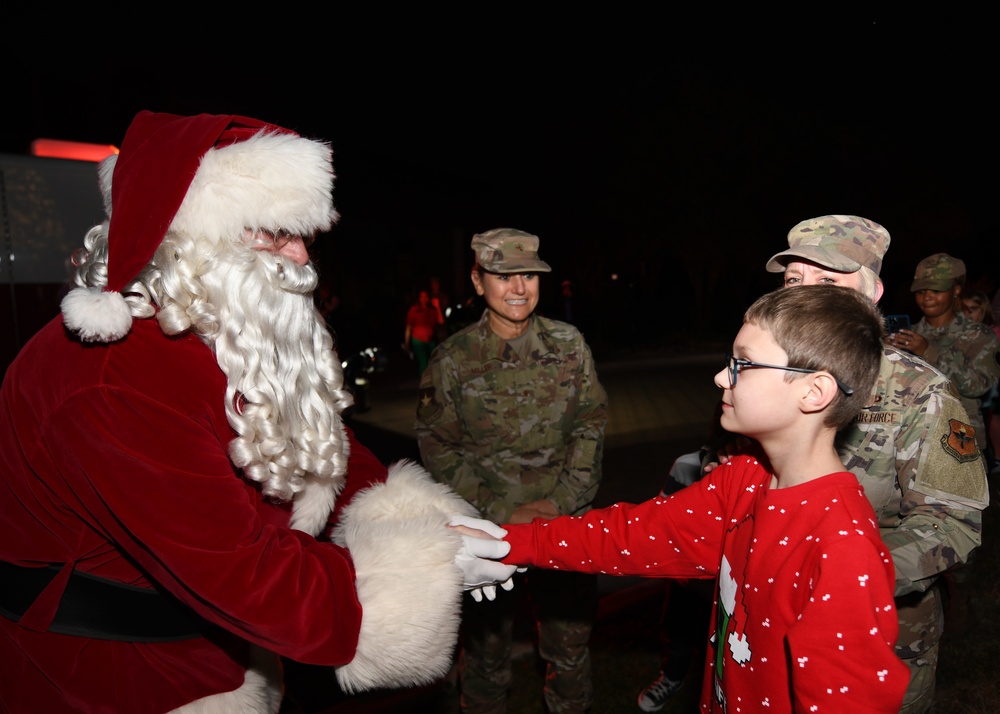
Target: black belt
99	608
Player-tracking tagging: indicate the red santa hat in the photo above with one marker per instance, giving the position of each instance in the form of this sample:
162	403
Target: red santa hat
208	176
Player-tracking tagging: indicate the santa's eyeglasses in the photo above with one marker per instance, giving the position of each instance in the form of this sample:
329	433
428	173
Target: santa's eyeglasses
279	238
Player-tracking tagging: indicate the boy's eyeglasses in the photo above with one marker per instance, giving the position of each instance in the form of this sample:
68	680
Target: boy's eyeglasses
735	364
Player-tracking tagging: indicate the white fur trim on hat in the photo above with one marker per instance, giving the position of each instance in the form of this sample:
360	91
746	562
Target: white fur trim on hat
272	180
269	181
95	315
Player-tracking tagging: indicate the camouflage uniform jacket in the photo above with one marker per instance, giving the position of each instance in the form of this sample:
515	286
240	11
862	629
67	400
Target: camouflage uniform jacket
922	472
968	352
503	431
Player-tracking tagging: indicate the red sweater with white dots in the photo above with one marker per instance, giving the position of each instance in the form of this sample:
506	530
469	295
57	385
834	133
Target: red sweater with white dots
804	618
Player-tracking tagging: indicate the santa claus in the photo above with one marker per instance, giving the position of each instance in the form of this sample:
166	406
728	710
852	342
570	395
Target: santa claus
182	503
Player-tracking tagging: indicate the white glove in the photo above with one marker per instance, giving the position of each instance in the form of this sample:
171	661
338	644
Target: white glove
490	591
478	559
479	524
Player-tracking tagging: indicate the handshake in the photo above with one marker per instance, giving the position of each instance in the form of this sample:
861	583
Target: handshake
479	557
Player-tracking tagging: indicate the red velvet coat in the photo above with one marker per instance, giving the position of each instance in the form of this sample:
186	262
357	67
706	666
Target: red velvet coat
113	460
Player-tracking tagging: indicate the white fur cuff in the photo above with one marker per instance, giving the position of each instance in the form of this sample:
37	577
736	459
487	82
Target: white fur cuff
408	584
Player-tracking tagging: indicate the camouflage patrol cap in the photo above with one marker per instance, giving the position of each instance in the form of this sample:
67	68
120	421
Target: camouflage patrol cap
937	272
508	250
841	243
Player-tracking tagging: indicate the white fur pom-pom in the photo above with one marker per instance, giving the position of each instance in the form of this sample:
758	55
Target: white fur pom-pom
95	315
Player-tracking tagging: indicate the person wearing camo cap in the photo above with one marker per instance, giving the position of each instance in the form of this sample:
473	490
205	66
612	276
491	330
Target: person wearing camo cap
908	447
969	353
512	416
848	250
965	350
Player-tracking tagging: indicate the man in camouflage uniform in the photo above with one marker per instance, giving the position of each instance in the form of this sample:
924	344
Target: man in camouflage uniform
965	350
512	417
908	448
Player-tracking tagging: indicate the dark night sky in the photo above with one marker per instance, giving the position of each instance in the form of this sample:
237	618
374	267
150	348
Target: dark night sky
676	153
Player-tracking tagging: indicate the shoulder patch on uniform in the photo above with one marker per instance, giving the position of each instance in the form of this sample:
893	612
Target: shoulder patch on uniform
960	441
428	408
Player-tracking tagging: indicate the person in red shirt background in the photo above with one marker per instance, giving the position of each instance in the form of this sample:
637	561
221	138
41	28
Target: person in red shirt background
424	321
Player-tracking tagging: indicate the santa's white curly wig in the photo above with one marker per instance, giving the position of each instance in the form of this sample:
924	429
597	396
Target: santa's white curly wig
180	198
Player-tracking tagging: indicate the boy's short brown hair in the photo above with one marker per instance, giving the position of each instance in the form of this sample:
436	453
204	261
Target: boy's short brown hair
829	328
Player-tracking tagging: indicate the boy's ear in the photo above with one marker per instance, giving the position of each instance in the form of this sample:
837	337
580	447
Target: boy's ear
822	389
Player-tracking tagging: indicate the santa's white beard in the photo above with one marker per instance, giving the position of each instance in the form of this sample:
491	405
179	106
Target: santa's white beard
285	391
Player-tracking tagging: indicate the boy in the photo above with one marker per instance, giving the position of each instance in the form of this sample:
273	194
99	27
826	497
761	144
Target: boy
804	618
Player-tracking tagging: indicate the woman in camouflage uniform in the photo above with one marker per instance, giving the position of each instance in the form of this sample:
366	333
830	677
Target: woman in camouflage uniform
963	349
512	416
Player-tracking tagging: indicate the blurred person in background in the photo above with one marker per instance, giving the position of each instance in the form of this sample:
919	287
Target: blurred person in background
511	415
976	307
423	320
443	303
965	350
968	352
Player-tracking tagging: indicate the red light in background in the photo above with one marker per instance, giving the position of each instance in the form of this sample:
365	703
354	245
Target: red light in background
76	150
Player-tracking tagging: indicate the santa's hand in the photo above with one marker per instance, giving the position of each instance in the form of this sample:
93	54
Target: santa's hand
478	558
489	591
